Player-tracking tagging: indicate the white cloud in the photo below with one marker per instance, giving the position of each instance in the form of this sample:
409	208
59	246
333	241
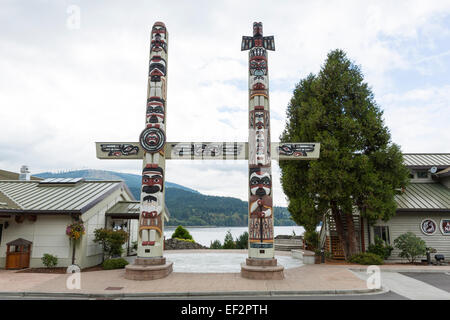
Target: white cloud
419	119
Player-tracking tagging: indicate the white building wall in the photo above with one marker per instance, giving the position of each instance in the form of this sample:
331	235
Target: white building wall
404	222
91	253
47	234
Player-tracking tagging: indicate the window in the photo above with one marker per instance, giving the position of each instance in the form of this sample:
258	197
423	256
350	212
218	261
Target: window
422	174
382	232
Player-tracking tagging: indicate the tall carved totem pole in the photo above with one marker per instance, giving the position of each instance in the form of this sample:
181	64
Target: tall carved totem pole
261	251
150	263
259	157
152	141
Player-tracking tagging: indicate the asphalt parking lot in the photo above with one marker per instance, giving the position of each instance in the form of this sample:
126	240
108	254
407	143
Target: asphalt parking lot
438	280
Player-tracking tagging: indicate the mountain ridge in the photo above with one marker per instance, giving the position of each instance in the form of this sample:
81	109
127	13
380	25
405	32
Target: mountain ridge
187	206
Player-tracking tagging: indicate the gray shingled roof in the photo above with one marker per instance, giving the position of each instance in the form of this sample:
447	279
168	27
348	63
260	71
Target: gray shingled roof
31	196
441	160
424	196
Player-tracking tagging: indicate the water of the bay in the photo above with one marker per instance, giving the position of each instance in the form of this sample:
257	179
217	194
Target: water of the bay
206	235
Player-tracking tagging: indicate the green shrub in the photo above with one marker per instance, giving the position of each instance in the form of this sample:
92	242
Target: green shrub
228	242
366	258
111	240
242	241
215	245
181	233
117	263
380	248
311	239
49	260
411	246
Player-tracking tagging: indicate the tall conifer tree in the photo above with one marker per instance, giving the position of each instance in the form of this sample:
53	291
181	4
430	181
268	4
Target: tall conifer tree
359	167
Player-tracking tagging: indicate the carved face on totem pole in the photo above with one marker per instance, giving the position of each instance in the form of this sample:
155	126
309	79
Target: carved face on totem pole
152	139
258	67
257	29
157	68
260	225
159	39
150	223
260	182
155	110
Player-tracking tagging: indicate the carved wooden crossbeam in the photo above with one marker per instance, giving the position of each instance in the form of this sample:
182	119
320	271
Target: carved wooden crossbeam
208	150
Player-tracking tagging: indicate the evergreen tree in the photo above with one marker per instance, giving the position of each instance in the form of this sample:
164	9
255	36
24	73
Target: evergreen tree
181	233
228	242
359	167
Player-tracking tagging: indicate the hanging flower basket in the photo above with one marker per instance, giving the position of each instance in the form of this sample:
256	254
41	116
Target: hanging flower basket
75	230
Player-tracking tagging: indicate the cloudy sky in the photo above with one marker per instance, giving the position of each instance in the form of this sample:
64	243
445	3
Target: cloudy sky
75	72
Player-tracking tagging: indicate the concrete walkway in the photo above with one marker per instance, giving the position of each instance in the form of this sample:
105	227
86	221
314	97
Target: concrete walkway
304	280
308	279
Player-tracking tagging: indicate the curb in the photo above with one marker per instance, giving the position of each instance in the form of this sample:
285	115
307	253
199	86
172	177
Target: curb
193	294
402	270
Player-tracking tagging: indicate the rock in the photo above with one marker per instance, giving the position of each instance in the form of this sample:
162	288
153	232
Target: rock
177	244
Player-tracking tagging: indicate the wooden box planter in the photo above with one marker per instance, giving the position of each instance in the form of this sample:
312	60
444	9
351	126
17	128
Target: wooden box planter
18	254
317	259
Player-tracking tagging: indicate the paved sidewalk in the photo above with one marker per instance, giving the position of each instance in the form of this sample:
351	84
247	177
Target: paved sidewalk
409	287
307	279
404	268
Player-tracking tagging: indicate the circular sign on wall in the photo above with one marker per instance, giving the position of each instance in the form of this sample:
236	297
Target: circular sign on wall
428	226
445	227
152	139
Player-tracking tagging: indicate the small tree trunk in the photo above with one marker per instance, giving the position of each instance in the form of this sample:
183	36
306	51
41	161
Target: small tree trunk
353	247
73	251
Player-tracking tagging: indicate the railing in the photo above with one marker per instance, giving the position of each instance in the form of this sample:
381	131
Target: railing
323	233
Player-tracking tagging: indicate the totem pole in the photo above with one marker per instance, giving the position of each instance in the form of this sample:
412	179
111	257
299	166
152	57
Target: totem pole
152	140
260	222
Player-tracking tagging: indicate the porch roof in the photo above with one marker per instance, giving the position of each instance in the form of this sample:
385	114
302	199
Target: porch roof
124	210
129	210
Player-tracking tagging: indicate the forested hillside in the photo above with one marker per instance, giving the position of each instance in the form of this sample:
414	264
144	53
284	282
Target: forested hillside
187	207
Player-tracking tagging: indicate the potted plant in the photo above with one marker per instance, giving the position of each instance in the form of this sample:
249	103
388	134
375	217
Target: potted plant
318	254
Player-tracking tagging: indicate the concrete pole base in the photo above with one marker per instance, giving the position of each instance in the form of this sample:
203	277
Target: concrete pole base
148	269
262	269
